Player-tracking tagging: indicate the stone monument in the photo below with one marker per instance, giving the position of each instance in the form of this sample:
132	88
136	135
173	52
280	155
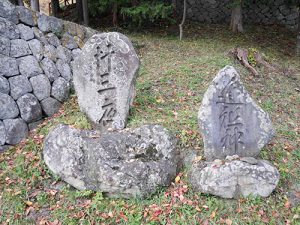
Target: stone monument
234	130
104	80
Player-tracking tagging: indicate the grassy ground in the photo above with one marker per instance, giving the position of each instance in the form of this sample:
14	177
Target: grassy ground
173	78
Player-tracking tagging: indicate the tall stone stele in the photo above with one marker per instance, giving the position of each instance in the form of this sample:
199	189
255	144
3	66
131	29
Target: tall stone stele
230	121
234	130
104	80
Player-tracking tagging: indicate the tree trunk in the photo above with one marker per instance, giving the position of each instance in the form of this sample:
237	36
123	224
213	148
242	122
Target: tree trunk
115	14
85	12
55	7
236	23
35	5
298	37
79	10
183	20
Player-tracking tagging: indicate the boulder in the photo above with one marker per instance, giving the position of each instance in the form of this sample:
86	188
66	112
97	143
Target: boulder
26	32
36	48
52	39
4	85
8	11
234	178
8	106
29	66
60	89
2	133
104	78
30	108
50	52
50	106
41	86
230	121
16	130
19	85
64	54
8	29
64	69
27	16
128	163
4	46
49	24
8	66
68	41
18	48
50	69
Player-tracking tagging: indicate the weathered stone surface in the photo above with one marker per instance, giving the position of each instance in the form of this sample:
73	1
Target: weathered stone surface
4	46
36	48
50	69
39	35
34	125
130	163
29	66
8	29
8	11
64	54
60	89
75	29
30	108
8	66
2	133
50	52
104	79
8	106
232	179
49	24
18	48
41	86
4	148
52	39
4	85
64	69
50	106
76	52
19	85
16	130
27	16
68	41
230	121
26	32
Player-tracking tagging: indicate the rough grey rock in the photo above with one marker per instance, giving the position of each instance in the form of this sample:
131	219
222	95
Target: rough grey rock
50	52
50	69
30	108
128	163
16	130
230	121
26	32
8	29
18	48
104	79
39	35
232	179
8	11
2	133
60	89
8	106
4	148
4	85
52	39
41	86
294	194
64	69
50	106
36	48
29	66
4	46
33	125
49	24
76	52
27	16
64	54
19	85
68	41
8	66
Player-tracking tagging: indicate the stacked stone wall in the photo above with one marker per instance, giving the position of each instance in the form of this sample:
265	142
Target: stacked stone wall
36	57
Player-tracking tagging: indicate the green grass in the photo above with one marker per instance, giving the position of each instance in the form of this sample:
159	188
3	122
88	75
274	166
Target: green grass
173	77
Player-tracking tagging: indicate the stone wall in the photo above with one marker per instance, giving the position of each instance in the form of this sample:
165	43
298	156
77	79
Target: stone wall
36	56
219	11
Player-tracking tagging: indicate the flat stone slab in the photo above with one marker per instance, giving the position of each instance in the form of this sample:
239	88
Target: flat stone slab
234	178
230	121
104	79
128	163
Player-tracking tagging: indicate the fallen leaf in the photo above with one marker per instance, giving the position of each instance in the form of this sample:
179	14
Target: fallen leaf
228	221
177	179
